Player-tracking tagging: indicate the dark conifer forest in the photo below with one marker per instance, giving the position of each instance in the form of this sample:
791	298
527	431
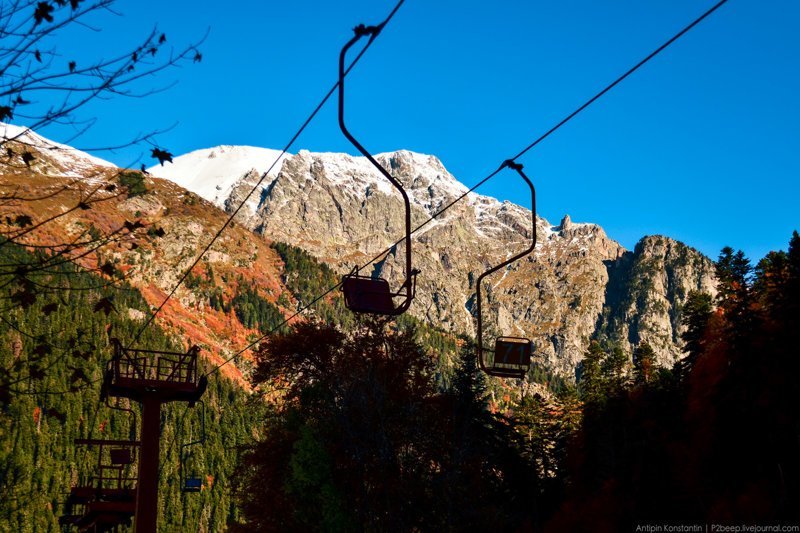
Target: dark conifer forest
51	390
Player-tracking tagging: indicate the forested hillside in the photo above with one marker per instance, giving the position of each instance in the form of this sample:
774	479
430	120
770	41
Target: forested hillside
58	342
59	345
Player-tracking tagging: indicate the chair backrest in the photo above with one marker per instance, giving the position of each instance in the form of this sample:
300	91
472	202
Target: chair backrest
514	351
120	456
368	295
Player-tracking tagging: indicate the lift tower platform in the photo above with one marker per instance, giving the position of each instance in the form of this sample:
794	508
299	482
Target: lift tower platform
152	378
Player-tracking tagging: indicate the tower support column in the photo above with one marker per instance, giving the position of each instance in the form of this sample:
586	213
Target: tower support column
147	486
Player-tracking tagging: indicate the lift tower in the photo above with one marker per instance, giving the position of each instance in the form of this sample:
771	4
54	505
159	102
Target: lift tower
152	378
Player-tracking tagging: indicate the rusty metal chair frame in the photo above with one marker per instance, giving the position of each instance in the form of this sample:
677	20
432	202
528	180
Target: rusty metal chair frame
109	495
117	469
353	283
155	365
496	368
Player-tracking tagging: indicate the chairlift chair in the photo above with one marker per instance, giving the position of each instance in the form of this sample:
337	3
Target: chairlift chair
365	294
511	357
193	482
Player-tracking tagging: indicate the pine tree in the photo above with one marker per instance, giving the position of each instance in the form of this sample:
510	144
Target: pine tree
772	277
591	383
644	362
469	383
615	370
734	277
791	299
695	315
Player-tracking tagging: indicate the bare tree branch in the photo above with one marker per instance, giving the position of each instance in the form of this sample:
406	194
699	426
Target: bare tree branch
42	86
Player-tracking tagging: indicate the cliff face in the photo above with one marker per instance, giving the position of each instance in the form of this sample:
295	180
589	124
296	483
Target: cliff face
577	284
646	291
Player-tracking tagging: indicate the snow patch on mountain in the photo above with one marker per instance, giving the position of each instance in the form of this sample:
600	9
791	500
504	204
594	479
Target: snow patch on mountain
354	175
212	173
69	162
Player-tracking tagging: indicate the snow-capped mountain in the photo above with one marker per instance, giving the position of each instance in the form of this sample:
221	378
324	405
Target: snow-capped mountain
339	208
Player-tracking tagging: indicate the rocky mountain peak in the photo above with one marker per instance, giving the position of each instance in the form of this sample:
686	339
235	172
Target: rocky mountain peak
404	161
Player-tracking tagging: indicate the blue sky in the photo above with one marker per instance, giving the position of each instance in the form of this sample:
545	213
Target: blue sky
701	144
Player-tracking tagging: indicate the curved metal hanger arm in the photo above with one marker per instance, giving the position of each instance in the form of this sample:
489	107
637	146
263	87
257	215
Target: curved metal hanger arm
134	425
517	167
201	440
372	32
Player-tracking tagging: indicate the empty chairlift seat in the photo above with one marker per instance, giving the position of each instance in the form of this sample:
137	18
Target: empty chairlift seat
193	482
